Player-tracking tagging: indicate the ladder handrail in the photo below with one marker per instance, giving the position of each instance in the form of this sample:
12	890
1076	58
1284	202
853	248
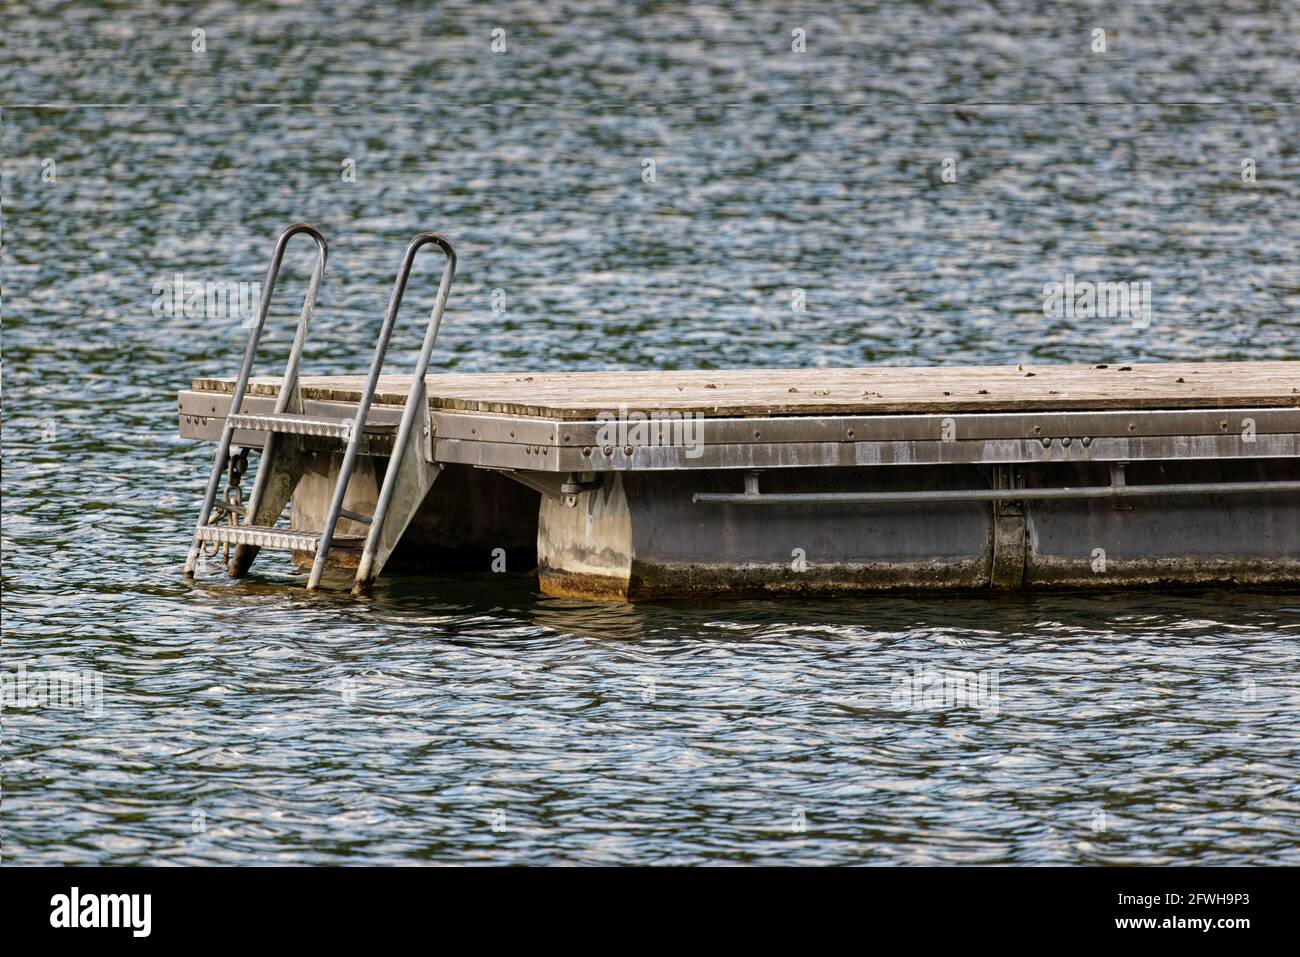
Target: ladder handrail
290	377
368	394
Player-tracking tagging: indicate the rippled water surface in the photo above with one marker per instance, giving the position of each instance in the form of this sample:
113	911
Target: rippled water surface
469	718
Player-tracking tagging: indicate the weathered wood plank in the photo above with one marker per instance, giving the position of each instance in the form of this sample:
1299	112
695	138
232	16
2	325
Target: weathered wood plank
867	391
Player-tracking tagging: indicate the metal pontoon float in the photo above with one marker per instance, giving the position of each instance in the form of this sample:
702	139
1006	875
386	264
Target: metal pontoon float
775	481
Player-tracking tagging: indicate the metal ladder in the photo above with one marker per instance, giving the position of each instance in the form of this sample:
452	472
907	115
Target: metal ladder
286	456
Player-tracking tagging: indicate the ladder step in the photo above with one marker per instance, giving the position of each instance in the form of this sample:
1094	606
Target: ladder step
285	539
293	423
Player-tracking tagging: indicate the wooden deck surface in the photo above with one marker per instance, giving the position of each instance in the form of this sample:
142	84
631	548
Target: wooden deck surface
868	391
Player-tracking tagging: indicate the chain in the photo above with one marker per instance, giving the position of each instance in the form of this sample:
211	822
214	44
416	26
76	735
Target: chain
237	464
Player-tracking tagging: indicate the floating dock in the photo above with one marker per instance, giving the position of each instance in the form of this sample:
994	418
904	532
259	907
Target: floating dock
635	485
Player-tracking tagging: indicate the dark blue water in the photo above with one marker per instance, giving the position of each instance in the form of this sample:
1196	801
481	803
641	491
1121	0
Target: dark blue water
469	718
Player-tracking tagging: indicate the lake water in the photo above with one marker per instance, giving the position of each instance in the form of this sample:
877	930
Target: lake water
646	190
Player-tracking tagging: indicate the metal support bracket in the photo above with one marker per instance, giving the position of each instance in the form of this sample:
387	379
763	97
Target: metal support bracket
1009	530
1117	483
406	483
564	489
